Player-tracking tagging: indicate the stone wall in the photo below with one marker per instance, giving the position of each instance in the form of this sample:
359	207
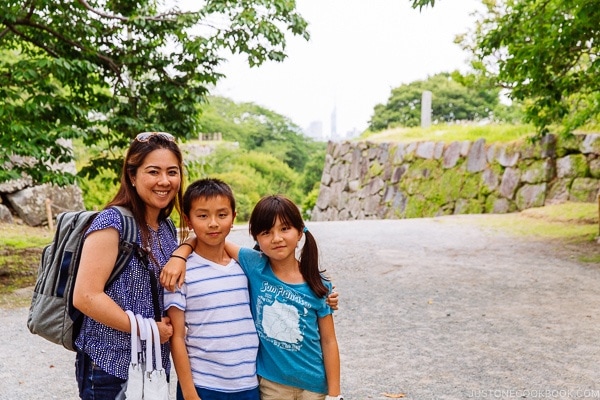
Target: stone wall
365	180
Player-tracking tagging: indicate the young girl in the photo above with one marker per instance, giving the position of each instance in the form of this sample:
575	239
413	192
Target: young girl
298	357
299	349
214	341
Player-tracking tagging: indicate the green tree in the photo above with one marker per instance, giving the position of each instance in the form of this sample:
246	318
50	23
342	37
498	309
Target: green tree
103	70
258	128
452	100
545	53
251	174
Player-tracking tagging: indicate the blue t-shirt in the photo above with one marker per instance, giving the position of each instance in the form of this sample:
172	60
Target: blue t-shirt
109	348
286	318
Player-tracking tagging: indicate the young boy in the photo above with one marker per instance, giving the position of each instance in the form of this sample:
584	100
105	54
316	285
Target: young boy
214	343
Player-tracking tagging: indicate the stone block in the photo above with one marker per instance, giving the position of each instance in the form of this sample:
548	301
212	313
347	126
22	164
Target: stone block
30	203
507	157
538	171
590	144
584	190
571	166
529	196
425	150
476	159
451	155
509	182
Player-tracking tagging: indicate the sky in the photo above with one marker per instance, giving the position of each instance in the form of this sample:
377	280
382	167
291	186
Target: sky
358	52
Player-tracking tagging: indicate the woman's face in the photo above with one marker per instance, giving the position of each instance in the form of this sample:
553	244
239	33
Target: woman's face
158	179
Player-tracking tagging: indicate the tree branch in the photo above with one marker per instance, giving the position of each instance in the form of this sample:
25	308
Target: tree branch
161	17
112	65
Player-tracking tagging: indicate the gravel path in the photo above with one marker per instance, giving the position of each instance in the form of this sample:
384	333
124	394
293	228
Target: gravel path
434	308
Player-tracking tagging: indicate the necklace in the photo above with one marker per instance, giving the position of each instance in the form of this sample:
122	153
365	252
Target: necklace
155	236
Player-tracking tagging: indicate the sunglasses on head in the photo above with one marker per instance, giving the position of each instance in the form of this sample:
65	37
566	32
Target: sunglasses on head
145	136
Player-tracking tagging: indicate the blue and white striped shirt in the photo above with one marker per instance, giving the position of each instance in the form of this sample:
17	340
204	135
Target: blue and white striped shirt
221	338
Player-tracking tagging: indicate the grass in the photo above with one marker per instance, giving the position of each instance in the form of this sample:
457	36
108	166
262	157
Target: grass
452	132
569	221
20	255
572	225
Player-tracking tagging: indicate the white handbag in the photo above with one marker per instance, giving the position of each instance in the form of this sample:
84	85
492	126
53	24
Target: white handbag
145	382
155	377
134	389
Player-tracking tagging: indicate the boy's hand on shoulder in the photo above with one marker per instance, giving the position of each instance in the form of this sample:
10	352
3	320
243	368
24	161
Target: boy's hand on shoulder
332	300
173	273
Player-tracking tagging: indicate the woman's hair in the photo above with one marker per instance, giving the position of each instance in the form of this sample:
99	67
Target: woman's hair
206	188
263	218
128	197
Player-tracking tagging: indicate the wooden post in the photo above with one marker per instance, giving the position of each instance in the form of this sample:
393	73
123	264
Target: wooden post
49	214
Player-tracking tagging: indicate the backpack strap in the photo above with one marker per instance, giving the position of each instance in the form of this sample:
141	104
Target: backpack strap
127	246
172	227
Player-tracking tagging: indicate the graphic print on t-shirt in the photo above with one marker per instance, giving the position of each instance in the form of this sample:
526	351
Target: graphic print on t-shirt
281	313
282	322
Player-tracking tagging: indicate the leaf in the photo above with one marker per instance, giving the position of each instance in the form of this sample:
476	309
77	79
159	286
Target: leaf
394	395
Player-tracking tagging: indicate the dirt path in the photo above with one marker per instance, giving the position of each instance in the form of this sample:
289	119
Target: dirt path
430	309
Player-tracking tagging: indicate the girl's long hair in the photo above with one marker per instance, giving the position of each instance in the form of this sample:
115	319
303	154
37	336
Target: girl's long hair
263	218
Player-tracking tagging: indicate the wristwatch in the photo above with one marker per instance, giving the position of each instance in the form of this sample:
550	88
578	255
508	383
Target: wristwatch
338	397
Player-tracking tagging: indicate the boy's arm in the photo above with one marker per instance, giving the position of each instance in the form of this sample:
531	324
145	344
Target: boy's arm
233	250
331	355
180	355
173	273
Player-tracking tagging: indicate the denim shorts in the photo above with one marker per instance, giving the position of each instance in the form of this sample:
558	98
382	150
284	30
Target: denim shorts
205	394
93	382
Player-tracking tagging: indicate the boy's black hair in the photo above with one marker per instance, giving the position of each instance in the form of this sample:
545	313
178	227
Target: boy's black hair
207	188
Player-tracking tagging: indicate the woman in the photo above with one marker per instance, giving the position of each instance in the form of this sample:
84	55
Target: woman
151	187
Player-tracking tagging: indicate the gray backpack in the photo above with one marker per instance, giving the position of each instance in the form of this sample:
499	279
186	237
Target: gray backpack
51	314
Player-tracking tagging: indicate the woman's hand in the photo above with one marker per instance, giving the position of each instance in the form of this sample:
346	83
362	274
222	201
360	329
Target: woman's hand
165	329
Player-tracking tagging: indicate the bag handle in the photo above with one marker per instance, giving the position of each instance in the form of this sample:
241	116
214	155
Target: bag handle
149	350
134	338
157	350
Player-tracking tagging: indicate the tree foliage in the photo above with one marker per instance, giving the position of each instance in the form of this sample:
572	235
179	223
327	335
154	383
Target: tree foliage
545	53
104	70
252	170
258	128
452	100
251	174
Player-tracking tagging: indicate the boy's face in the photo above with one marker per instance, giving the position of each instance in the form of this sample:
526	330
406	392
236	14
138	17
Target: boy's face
211	219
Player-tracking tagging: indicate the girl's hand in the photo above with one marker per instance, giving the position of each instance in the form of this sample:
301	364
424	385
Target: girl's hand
332	299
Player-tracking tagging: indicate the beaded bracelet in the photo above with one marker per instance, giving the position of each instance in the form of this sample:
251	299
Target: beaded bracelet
176	256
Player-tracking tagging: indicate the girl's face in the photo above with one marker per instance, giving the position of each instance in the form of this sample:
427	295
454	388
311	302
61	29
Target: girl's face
211	220
279	243
158	179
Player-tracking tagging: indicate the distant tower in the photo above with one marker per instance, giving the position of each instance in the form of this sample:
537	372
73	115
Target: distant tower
334	123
